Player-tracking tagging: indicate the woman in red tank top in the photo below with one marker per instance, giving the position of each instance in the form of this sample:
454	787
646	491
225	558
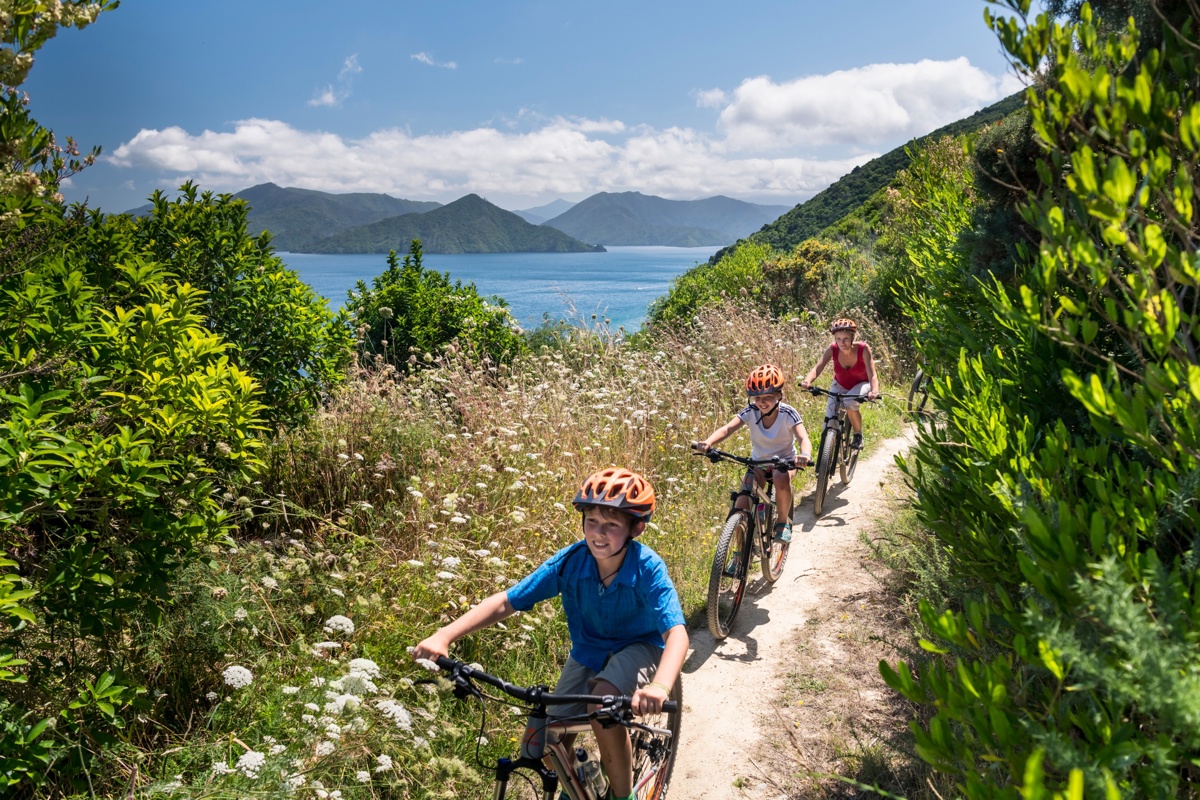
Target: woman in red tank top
853	373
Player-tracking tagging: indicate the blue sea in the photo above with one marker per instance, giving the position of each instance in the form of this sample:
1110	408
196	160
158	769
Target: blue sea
618	285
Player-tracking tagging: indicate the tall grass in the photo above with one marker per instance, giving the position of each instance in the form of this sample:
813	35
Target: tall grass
408	499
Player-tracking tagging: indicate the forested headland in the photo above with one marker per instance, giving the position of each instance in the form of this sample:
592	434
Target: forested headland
225	510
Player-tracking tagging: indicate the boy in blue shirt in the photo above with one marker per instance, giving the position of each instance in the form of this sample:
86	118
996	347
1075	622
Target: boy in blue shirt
627	629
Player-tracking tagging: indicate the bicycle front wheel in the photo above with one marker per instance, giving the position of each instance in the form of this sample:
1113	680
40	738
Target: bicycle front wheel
727	581
848	460
825	467
654	753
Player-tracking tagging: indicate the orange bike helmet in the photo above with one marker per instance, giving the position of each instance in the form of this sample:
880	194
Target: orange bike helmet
617	488
764	380
843	324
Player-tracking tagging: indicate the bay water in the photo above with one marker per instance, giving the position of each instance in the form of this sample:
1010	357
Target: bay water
618	285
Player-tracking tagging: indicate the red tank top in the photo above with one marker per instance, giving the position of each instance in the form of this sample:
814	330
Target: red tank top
849	377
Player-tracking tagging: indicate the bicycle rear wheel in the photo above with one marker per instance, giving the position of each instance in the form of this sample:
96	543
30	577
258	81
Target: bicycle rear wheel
654	753
774	553
727	581
825	467
848	460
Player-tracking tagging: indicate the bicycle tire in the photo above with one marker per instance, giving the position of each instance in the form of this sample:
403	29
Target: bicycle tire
774	554
849	459
654	754
918	394
825	466
727	580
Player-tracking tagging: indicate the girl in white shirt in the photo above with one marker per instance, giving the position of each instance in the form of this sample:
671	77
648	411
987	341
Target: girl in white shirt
774	428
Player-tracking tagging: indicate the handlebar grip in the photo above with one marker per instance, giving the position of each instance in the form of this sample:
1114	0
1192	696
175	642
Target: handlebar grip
671	707
446	663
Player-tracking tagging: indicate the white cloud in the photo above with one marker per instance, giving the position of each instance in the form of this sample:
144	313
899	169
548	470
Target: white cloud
425	58
561	157
349	67
754	152
502	60
329	95
861	107
325	97
710	98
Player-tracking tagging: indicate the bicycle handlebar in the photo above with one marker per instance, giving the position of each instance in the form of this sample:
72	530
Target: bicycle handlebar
462	674
775	462
862	398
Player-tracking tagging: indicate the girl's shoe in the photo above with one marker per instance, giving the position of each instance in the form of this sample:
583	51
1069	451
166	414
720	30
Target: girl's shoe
783	532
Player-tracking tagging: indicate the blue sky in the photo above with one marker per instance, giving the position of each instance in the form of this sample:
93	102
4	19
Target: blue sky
520	101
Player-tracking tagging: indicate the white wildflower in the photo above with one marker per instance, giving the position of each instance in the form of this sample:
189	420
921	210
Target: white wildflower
450	562
276	749
221	768
359	683
269	583
240	614
396	713
459	519
326	646
325	747
290	690
211	696
317	681
237	677
384	762
412	562
362	776
366	666
251	762
339	624
446	576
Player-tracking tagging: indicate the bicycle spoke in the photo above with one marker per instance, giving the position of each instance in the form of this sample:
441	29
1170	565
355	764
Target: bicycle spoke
727	580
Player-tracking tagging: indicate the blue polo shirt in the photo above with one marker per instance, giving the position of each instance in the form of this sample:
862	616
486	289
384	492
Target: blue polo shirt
639	605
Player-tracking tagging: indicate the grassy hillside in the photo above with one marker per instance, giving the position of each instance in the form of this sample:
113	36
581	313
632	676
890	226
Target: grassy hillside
468	225
632	218
854	189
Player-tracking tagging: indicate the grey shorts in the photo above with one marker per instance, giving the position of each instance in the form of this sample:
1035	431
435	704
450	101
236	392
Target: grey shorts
852	405
627	669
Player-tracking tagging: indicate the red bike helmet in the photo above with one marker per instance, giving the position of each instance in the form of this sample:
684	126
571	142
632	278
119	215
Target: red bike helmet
843	324
764	380
617	488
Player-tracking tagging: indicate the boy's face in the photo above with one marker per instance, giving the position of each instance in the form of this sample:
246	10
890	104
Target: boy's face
766	402
843	339
606	531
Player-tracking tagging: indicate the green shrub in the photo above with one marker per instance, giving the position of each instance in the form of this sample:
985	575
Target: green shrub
1063	484
739	272
410	313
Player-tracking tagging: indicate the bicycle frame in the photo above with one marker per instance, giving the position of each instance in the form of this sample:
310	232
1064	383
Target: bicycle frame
544	739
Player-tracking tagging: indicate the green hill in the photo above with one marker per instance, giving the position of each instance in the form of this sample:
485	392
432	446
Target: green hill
468	225
632	218
852	190
298	218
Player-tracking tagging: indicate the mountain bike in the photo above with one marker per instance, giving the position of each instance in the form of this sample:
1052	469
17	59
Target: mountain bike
918	394
835	451
654	741
746	533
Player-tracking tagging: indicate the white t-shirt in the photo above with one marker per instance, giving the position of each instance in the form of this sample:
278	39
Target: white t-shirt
777	440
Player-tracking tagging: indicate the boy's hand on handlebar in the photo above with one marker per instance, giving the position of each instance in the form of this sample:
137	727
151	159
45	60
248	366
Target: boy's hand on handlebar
431	648
648	699
805	383
700	447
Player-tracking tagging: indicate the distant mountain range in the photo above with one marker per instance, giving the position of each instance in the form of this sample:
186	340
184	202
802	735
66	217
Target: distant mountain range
468	225
308	221
539	214
632	218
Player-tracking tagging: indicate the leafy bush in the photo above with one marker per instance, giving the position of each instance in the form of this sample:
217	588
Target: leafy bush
1064	481
739	272
409	313
279	330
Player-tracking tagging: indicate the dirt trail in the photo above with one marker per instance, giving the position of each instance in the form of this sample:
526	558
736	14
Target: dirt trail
731	687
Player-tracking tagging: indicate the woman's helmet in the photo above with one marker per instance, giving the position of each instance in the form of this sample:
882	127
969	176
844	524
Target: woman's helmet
617	488
842	324
764	380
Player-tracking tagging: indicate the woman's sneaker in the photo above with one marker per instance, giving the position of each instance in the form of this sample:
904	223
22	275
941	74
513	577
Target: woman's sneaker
783	532
856	442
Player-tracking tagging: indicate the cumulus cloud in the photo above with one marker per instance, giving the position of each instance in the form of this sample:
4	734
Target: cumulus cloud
757	149
558	158
518	60
425	58
863	106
